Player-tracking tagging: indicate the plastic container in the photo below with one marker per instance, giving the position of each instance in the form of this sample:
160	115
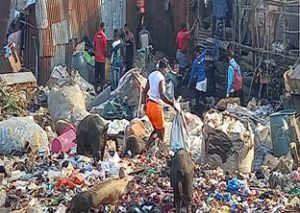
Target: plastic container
283	131
65	142
85	70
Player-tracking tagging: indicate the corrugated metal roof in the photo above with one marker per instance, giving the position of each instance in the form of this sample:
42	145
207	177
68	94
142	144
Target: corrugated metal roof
41	14
60	32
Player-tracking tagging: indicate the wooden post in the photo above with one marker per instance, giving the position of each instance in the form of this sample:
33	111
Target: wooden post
187	13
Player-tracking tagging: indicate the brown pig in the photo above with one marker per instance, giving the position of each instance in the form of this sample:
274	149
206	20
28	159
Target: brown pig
108	192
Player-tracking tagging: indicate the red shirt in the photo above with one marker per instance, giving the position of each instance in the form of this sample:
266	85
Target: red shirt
100	44
182	40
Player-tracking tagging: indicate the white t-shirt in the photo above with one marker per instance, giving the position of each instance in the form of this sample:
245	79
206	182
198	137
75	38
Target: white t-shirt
144	40
154	79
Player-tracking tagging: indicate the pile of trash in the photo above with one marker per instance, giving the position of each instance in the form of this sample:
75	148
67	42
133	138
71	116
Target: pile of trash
12	103
231	148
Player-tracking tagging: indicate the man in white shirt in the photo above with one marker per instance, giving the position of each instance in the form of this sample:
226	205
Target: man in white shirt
145	38
154	94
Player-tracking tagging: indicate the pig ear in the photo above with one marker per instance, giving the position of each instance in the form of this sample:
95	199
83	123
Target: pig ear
122	173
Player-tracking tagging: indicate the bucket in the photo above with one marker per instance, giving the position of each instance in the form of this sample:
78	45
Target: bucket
65	142
283	131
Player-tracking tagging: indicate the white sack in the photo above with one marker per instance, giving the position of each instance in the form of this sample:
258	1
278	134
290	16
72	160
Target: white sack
17	131
179	134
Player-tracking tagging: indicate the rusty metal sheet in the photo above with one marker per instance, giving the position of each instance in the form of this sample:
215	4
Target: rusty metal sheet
55	11
45	70
73	21
46	47
41	14
60	33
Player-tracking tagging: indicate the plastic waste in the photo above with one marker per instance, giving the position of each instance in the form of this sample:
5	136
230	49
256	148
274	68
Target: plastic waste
2	197
179	134
65	142
20	133
233	185
295	192
111	165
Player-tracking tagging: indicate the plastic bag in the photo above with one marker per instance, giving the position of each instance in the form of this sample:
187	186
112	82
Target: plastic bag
179	133
2	197
63	101
18	134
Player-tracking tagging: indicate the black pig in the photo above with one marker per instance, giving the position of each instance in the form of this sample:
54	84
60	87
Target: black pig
182	180
91	137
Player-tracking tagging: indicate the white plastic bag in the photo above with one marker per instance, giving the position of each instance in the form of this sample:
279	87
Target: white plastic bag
16	132
179	133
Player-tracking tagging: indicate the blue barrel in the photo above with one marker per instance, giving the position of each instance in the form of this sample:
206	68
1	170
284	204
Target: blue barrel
283	131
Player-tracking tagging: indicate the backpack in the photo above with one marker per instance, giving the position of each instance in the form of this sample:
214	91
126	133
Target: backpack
237	79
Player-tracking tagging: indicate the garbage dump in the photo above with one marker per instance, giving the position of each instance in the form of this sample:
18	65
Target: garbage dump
225	148
78	144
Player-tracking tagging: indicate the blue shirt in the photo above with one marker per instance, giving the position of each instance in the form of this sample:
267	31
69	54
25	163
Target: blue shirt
219	9
230	73
198	69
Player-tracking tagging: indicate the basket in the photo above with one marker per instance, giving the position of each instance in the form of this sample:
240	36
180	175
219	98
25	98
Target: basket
65	142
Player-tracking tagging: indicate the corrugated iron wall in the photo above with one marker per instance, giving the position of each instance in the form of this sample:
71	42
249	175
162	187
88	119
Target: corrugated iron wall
68	22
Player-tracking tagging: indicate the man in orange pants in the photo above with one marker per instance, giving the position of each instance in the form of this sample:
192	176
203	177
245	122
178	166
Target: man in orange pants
154	94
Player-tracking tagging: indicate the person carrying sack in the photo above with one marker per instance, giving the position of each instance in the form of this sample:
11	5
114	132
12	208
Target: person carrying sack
234	78
155	98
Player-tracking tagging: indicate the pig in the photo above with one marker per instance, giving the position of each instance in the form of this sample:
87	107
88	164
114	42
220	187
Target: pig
182	180
108	192
134	145
91	137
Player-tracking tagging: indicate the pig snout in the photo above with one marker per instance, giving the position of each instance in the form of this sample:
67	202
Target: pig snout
181	175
